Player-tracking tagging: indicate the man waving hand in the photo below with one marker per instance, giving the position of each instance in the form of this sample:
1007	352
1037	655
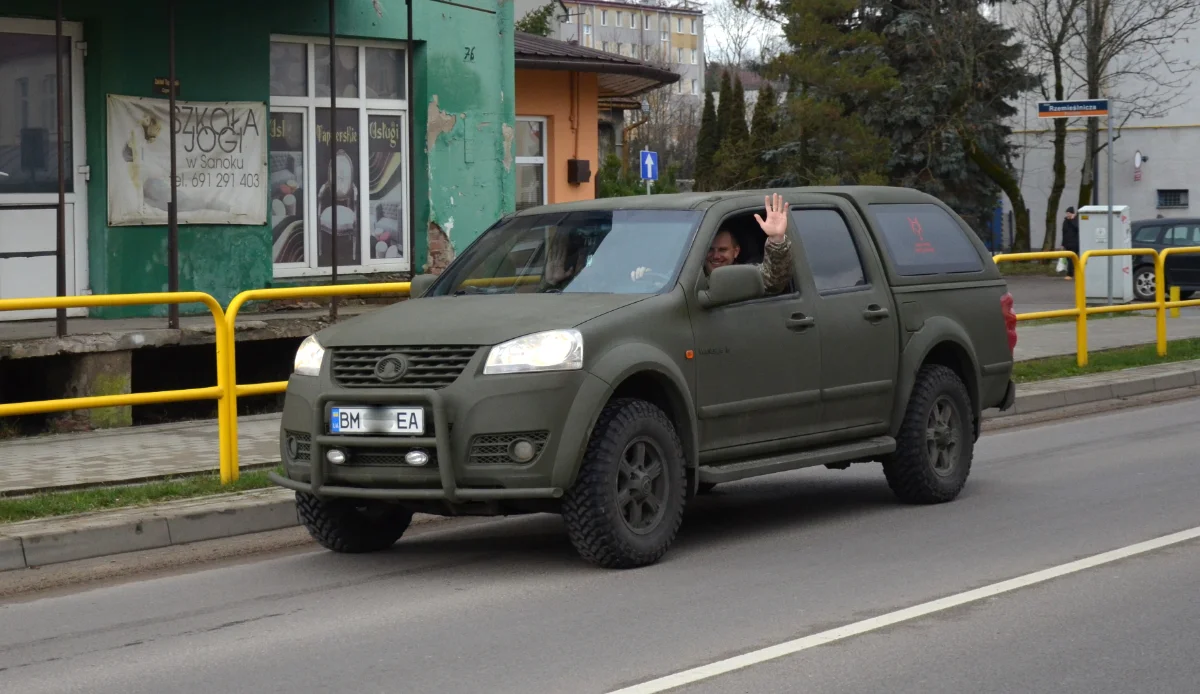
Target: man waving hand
777	252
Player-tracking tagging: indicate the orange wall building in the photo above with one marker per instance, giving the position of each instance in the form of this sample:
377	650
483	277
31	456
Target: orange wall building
560	89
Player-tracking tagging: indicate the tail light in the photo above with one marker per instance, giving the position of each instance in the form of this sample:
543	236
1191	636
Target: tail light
1010	320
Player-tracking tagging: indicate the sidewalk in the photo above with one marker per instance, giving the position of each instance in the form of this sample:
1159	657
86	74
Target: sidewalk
138	453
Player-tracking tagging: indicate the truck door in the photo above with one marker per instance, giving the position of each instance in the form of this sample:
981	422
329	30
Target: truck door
859	336
758	363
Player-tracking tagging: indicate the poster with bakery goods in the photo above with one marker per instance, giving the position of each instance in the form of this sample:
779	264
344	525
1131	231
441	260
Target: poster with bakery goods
385	167
221	161
338	170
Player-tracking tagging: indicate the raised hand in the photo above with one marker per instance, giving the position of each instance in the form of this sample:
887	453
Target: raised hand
775	225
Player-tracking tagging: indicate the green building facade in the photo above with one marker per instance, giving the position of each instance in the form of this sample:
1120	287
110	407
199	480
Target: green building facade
257	188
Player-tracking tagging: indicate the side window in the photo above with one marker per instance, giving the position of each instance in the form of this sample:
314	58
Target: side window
923	239
833	258
1147	234
1181	236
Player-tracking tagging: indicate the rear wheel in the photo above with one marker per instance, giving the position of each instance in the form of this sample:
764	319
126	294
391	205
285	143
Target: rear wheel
1143	283
352	526
935	446
627	502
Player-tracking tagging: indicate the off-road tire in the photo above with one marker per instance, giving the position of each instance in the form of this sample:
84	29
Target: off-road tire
910	470
590	510
352	526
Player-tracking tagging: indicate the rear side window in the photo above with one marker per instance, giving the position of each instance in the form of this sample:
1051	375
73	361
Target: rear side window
924	240
1147	234
833	258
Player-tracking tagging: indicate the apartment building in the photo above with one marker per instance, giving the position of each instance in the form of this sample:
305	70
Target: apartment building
668	35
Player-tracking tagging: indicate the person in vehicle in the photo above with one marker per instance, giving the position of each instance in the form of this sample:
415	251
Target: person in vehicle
777	252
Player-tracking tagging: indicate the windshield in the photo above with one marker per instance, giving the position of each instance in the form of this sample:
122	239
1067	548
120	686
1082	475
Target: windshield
593	251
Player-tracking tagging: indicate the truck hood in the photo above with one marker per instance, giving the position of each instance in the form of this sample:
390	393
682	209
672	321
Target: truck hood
470	320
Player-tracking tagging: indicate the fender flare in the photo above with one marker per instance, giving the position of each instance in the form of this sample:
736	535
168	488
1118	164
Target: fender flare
623	361
936	331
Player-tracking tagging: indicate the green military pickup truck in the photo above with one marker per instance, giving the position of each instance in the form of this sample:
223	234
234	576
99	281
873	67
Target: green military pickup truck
609	360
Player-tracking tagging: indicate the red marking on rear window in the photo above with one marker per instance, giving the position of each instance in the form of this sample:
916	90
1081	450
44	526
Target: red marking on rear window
922	246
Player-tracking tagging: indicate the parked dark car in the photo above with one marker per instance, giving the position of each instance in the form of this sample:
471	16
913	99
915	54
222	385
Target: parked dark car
1183	271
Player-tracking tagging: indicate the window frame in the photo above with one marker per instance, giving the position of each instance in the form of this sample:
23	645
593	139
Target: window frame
868	280
544	160
748	212
366	108
603	18
1184	195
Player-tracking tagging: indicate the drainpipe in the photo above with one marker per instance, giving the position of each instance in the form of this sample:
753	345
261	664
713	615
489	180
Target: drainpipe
411	100
60	316
173	206
333	300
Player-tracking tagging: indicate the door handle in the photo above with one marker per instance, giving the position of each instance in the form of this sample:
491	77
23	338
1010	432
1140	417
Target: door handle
799	321
875	313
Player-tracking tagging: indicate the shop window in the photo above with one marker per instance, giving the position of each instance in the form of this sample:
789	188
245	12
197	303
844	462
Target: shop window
357	166
531	163
29	114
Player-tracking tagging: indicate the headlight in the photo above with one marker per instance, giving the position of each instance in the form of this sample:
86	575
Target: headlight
555	350
309	357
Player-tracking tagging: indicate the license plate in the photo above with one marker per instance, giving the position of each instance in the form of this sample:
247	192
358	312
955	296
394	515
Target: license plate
377	420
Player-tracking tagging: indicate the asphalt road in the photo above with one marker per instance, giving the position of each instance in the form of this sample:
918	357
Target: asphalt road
505	606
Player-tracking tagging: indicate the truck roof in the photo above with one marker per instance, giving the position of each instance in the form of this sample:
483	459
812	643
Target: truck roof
701	201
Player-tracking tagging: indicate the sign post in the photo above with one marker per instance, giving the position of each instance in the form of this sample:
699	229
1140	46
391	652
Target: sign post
1089	108
649	166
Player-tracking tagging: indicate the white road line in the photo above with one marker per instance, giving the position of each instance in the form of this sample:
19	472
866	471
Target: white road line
787	648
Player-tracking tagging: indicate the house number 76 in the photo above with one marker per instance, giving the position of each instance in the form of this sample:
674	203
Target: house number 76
470	55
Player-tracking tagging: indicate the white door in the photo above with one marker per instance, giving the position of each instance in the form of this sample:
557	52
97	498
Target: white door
28	163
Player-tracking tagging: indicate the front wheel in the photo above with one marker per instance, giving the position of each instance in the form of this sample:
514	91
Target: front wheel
352	526
627	502
935	445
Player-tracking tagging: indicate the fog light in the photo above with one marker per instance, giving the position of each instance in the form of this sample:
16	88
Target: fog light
417	458
336	457
522	451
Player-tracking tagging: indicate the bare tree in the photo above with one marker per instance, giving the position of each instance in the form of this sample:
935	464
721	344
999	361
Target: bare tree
738	29
1048	30
1126	55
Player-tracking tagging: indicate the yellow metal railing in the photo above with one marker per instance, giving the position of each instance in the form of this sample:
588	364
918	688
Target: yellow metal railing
1081	310
227	391
216	392
233	391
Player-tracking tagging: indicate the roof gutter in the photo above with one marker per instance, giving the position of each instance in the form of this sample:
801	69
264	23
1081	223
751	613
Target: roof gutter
582	65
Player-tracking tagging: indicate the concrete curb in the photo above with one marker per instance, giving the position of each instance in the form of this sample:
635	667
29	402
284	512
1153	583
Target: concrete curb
42	542
1114	385
56	540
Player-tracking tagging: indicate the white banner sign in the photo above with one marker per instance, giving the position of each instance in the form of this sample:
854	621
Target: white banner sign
220	157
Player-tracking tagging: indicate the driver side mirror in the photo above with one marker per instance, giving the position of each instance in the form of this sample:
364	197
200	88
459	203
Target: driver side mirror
732	284
420	284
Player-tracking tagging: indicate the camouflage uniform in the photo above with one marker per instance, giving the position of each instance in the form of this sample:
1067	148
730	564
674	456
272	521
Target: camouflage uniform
776	267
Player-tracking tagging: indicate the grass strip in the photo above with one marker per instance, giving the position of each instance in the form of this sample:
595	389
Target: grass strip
49	504
1105	361
1029	268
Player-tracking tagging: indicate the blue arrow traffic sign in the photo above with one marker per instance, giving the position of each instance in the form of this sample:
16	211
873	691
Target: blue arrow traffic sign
649	165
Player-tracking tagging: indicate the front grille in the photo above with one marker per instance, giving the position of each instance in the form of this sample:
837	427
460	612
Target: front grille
387	457
492	449
299	446
428	367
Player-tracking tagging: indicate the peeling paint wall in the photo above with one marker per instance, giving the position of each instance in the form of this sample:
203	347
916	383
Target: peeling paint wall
468	124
